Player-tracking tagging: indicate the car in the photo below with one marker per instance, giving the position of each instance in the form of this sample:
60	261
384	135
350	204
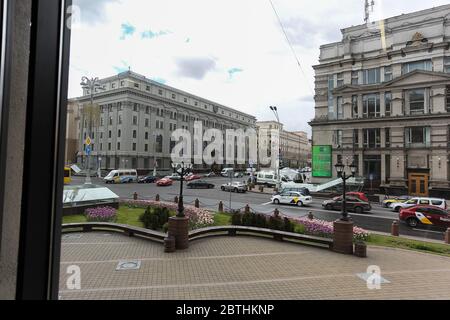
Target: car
359	195
200	184
387	202
418	201
210	175
192	177
164	182
353	204
174	176
234	187
291	197
302	190
147	179
226	172
425	215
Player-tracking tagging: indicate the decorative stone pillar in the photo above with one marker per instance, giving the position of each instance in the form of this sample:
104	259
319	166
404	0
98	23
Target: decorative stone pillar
343	237
179	229
447	236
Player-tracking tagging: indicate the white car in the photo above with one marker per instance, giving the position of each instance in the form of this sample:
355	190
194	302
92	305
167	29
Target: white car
397	206
296	198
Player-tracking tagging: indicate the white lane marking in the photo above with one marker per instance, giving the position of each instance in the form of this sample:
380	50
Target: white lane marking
267	203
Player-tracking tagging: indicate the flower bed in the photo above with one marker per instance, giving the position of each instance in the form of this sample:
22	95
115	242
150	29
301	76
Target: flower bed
198	218
325	229
101	214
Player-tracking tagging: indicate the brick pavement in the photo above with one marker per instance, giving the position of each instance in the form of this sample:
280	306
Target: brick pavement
244	268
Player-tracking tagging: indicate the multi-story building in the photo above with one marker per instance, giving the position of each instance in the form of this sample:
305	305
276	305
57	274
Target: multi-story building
137	117
72	136
383	101
294	146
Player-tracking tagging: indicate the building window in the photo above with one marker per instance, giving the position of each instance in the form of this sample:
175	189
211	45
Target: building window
119	106
147	88
101	146
119	119
340	79
448	99
101	135
113	85
372	138
371	106
146	123
387	132
185	100
425	65
110	121
109	146
119	133
102	121
122	83
118	145
388	104
371	76
147	109
416	101
136	85
146	136
135	120
417	137
135	107
331	113
134	134
160	92
356	138
134	146
146	147
387	73
355	111
340	109
355	78
109	134
173	96
159	144
338	138
447	64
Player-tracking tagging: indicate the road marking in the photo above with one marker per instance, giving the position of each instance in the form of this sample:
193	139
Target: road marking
267	203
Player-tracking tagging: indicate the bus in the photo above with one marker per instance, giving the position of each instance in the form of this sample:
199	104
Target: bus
67	175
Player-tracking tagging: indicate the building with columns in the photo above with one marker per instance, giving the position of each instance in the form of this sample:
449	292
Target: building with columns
383	101
136	118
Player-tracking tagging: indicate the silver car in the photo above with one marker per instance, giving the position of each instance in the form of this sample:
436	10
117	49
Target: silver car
234	187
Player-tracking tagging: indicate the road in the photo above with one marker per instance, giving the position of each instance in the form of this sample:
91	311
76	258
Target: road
379	219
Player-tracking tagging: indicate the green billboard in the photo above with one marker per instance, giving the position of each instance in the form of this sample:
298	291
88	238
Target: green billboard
321	162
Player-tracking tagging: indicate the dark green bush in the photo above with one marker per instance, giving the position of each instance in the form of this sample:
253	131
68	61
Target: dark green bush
275	223
236	218
288	226
260	221
155	218
248	219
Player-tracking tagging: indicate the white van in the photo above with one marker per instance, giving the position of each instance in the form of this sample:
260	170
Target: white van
121	176
226	172
268	178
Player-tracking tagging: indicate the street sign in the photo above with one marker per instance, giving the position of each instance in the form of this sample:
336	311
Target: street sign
88	141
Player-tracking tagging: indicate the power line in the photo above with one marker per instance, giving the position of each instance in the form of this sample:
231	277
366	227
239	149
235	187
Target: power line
291	46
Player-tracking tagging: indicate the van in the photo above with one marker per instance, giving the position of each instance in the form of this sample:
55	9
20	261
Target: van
226	172
268	178
121	176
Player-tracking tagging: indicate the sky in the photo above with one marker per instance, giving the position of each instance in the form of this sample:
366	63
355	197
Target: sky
232	52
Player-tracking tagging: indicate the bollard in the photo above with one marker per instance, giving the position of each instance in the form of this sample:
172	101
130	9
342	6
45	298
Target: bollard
261	188
276	213
394	229
197	203
447	236
135	196
310	216
220	206
175	199
247	209
157	197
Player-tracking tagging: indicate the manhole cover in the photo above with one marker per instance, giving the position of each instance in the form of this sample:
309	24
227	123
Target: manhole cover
72	236
129	265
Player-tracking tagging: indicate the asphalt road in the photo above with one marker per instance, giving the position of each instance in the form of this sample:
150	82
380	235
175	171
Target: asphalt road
379	219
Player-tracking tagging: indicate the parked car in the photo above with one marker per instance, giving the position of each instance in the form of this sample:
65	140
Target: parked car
200	184
425	215
226	172
147	179
291	197
352	204
234	187
387	202
164	182
192	177
441	203
174	176
360	195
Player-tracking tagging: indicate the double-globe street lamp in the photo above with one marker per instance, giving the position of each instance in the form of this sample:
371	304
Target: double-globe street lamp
181	168
340	169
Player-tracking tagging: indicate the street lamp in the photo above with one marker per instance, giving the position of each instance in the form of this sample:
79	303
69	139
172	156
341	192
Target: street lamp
275	112
340	169
181	168
92	85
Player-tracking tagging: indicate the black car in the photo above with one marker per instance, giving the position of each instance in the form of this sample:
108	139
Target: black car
200	184
147	179
353	204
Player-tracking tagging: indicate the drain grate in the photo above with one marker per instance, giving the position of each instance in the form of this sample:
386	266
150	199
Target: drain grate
129	265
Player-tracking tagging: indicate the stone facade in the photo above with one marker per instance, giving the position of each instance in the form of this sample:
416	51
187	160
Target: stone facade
383	101
138	116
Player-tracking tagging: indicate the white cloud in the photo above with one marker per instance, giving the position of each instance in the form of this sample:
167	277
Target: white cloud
193	45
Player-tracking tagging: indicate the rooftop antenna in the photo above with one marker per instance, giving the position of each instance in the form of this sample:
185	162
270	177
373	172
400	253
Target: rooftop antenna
368	8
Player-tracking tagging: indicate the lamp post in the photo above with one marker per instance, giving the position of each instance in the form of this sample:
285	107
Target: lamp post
91	85
275	112
181	169
343	228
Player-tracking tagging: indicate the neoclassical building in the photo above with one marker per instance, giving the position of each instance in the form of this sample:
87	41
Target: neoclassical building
383	101
137	117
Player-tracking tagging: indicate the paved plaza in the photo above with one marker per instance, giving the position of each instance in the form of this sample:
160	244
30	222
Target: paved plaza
242	268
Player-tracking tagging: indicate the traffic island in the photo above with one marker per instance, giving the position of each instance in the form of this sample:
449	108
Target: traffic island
343	237
179	229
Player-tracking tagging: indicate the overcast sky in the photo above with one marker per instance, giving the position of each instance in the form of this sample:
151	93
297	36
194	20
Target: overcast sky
229	51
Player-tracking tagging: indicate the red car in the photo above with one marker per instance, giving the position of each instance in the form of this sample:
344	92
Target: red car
425	215
164	182
192	177
359	195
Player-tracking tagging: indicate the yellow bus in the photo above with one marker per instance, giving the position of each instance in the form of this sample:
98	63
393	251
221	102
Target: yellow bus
67	175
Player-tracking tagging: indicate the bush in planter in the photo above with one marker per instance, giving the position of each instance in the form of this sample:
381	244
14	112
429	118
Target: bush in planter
236	218
101	214
288	226
275	223
248	219
260	221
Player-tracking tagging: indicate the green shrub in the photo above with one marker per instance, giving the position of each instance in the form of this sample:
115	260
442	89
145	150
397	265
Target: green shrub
155	218
275	223
260	221
248	219
165	227
236	218
299	228
288	226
